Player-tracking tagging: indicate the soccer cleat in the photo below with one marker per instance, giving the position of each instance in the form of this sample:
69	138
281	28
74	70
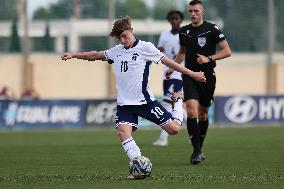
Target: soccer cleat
195	158
202	157
130	177
160	142
176	96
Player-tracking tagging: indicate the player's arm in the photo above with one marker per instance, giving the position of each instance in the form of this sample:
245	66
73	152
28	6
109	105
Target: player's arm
90	56
199	76
179	58
181	54
224	52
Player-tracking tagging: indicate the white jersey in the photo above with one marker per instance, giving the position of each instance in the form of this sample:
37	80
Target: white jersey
132	70
170	42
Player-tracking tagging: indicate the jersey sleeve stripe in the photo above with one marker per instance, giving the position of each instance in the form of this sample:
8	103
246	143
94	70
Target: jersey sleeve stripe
166	122
161	59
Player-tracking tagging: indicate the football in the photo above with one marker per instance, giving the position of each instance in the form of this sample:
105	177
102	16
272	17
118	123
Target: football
140	167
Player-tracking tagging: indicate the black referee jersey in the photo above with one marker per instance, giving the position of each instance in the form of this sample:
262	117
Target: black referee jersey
200	40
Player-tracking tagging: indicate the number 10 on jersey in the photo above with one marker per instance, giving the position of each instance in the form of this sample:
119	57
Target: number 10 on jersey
124	66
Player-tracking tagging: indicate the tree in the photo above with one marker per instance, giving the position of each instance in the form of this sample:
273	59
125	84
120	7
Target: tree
93	9
160	10
42	13
8	10
47	41
14	39
134	8
279	4
245	22
60	10
245	26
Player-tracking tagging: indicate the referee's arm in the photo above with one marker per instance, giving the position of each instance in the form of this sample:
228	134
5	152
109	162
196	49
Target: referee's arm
225	51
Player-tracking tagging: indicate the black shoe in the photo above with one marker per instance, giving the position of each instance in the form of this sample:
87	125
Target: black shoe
195	158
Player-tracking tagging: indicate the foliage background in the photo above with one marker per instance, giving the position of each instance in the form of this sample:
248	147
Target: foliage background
245	22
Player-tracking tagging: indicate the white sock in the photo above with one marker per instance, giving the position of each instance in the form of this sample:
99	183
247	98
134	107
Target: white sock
130	148
177	112
167	106
164	135
184	111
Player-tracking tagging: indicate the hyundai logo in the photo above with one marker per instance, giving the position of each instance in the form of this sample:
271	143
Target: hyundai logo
240	109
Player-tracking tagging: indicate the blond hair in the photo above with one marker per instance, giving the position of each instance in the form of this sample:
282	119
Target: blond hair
119	26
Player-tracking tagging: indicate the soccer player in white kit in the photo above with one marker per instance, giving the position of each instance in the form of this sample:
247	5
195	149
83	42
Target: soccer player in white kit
132	59
169	45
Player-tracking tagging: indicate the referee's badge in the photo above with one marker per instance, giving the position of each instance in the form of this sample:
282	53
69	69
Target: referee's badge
201	41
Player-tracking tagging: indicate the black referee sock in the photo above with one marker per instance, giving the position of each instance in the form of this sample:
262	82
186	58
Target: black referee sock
194	134
203	126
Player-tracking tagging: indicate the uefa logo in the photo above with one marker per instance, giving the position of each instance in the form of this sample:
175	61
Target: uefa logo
240	109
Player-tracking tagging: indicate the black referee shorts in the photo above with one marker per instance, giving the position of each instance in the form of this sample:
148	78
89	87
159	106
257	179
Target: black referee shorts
201	91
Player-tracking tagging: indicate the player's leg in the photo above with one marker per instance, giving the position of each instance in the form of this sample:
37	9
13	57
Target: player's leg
170	86
193	130
206	97
177	113
126	122
174	126
191	98
163	138
203	122
128	143
156	113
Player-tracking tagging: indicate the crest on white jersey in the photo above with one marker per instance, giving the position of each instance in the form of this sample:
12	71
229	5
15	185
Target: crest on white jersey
201	41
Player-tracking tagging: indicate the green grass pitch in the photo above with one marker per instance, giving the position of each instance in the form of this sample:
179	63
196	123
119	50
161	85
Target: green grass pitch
237	158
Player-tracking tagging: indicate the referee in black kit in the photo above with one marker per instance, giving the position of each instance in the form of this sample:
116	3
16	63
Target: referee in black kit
198	42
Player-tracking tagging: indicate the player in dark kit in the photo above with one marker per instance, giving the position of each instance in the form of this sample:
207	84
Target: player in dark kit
198	42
